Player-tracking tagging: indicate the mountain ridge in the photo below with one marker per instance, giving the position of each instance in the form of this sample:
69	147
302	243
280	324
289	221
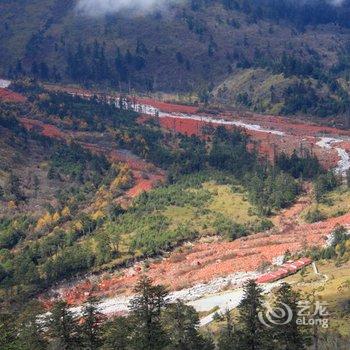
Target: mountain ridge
193	47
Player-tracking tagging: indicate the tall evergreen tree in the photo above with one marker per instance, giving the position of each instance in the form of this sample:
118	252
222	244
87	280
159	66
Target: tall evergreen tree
181	323
13	188
117	334
31	330
91	326
146	310
253	335
288	336
348	178
8	332
63	329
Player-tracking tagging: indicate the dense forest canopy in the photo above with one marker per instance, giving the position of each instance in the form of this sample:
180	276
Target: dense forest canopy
298	12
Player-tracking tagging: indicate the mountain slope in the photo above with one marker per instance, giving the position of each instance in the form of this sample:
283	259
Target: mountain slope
192	47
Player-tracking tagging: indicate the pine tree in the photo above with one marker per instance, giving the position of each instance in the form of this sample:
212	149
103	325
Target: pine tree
13	188
181	323
35	69
288	336
8	332
253	335
148	333
117	334
63	328
348	178
31	330
120	67
91	326
44	71
19	68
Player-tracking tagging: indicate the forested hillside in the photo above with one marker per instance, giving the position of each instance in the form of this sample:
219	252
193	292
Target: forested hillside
68	206
283	57
93	195
142	207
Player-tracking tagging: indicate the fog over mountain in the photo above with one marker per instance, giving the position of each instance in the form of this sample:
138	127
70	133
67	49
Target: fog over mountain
103	7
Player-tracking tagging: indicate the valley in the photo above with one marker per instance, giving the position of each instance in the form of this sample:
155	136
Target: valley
200	272
174	174
202	236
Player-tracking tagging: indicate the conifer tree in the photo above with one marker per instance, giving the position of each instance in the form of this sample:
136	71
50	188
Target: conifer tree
91	326
117	334
8	332
146	307
181	323
63	329
30	328
253	335
228	337
288	335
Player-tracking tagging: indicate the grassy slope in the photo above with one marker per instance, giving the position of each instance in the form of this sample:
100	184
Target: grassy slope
231	201
335	203
27	161
308	283
224	201
192	218
257	84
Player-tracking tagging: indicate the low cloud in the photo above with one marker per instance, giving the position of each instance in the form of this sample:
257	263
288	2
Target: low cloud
103	7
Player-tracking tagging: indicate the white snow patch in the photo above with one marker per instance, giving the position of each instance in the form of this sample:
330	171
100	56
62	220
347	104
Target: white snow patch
326	142
344	162
278	260
252	127
4	83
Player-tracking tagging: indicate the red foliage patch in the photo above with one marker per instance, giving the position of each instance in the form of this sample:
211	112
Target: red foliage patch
345	145
47	130
10	96
134	162
284	271
267	144
146	175
143	184
205	261
184	126
292	126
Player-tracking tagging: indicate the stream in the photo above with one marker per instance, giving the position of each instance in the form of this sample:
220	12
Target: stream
325	142
344	162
